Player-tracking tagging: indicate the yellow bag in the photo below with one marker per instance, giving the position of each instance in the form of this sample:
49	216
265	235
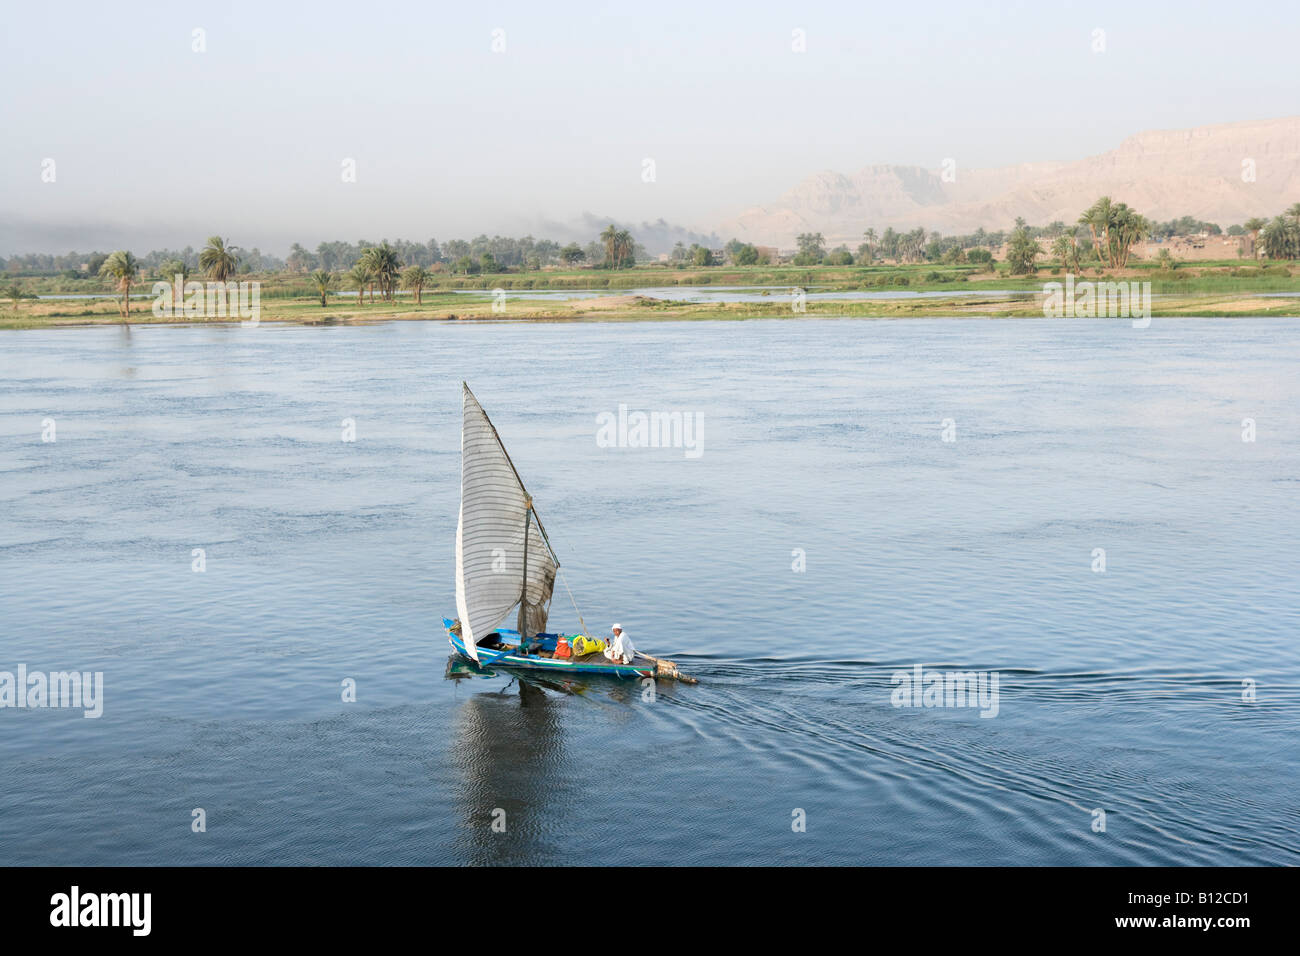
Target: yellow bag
586	645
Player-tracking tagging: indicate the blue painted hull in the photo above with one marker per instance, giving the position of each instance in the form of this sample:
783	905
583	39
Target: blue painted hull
510	658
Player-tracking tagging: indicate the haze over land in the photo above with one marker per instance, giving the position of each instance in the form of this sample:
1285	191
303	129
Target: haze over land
453	135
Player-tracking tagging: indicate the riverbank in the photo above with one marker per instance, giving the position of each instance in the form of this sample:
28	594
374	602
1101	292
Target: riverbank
650	292
450	306
1207	276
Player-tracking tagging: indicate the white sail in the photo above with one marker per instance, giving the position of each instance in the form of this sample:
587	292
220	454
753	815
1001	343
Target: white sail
494	524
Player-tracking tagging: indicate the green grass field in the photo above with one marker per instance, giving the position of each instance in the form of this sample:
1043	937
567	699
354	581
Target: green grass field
1226	288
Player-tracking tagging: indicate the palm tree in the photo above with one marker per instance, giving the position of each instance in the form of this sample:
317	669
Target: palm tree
385	265
368	260
1061	249
1130	228
361	276
1253	226
610	238
1281	239
870	236
15	293
414	278
390	268
123	268
1022	250
1294	212
322	280
889	244
623	249
1100	216
912	246
218	258
172	269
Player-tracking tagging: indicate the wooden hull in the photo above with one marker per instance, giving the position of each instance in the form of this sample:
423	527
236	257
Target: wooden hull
591	664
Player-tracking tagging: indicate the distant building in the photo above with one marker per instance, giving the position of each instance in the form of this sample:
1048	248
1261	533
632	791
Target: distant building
1201	246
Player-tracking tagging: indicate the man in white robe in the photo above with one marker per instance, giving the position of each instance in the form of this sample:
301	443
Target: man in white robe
620	646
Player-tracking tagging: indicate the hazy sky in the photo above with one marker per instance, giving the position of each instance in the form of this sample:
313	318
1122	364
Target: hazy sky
155	144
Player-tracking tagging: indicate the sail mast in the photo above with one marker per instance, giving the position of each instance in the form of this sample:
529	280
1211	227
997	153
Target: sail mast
522	621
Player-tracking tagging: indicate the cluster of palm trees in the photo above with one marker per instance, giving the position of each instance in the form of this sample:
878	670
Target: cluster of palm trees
909	246
620	251
1066	248
899	246
219	260
1278	237
378	266
1116	229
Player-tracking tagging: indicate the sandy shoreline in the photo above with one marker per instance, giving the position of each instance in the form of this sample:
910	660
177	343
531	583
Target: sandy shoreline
640	308
606	318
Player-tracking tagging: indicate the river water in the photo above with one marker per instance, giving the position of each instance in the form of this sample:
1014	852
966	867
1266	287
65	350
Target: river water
819	540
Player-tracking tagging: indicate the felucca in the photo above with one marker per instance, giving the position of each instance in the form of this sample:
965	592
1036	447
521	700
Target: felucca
505	562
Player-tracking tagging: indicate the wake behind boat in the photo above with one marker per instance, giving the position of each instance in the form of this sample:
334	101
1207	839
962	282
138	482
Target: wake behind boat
504	562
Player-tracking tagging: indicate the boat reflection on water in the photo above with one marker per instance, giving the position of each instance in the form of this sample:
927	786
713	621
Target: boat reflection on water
517	786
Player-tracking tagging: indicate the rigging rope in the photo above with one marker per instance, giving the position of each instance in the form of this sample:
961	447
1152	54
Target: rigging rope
560	570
